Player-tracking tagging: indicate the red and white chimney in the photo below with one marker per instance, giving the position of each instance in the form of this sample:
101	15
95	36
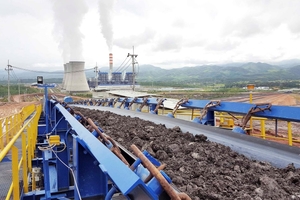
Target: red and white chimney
110	65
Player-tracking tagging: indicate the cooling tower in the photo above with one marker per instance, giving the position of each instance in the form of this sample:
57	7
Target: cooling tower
76	79
67	75
64	79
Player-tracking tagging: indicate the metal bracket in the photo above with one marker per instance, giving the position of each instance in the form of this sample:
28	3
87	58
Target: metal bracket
209	105
261	107
179	103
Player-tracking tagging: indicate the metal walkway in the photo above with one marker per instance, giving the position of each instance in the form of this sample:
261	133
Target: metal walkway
279	155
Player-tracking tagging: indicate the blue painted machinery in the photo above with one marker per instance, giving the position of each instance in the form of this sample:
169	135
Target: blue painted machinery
207	109
75	159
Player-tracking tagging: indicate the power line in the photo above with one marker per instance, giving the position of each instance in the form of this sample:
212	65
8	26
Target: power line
125	66
14	75
121	64
47	72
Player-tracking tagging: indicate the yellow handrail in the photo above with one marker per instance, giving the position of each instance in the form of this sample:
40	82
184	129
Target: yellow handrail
11	124
28	130
227	121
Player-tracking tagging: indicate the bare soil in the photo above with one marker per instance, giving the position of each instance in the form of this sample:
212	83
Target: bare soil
19	101
7	109
198	167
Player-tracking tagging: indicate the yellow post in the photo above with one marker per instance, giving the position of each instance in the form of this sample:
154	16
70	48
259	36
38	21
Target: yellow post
24	156
263	128
251	122
33	186
1	136
221	119
290	137
192	114
15	173
250	87
14	125
29	146
33	136
7	137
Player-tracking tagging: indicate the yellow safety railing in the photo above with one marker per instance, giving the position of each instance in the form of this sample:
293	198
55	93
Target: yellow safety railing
26	129
11	124
227	121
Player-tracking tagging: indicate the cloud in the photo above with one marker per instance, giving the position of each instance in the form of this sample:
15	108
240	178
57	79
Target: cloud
222	45
243	28
198	42
33	8
294	26
169	43
138	8
136	40
170	31
179	23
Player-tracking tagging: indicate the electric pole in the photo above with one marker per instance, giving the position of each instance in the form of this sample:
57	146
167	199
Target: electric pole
133	56
19	89
9	68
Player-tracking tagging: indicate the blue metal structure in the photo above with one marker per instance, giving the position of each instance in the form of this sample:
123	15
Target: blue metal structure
286	113
78	164
207	107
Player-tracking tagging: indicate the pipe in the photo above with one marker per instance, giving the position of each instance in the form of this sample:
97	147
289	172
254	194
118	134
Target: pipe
110	193
115	149
161	167
184	196
92	124
108	140
164	183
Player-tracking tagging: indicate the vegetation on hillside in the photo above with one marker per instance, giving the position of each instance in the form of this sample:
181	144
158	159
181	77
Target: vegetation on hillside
209	78
14	90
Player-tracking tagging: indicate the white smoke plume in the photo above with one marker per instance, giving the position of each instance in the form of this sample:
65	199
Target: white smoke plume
106	21
68	15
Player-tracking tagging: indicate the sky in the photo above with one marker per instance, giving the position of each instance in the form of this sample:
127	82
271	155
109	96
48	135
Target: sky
43	35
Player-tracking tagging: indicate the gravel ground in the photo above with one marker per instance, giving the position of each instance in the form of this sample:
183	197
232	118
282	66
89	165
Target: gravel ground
198	167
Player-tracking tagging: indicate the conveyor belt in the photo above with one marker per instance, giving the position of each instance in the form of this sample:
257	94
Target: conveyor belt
279	155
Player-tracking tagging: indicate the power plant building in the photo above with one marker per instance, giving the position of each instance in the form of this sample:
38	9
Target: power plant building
111	78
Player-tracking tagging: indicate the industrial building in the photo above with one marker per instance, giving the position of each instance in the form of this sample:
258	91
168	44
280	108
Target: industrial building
112	79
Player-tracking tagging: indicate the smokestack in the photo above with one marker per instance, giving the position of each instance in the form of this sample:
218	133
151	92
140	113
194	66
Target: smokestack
110	65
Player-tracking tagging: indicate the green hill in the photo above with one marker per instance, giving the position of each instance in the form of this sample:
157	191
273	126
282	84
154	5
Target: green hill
245	72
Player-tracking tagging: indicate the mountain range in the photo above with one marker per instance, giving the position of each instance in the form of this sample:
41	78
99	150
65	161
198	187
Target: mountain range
216	73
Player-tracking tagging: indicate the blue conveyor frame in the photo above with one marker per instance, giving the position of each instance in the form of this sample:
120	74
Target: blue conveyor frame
96	168
279	155
286	113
